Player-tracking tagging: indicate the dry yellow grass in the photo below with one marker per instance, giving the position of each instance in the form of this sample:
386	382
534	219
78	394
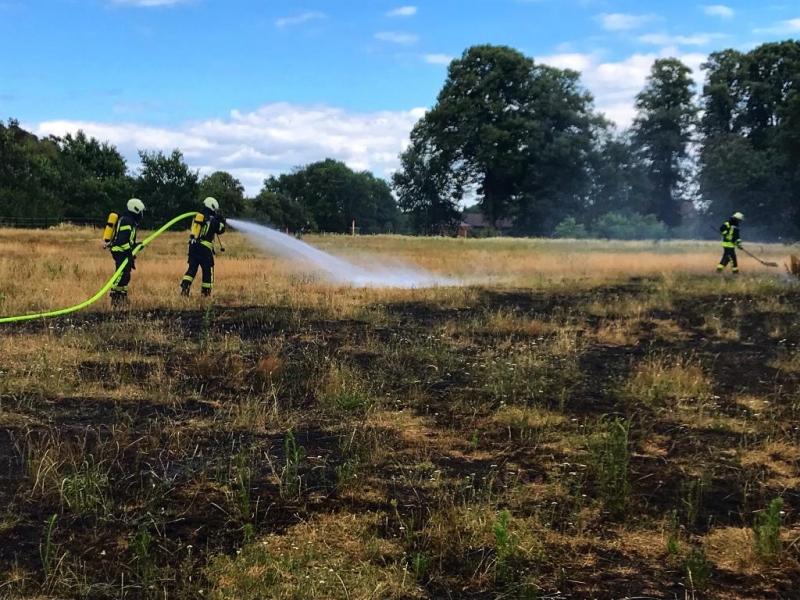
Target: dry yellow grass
656	380
422	416
47	270
329	557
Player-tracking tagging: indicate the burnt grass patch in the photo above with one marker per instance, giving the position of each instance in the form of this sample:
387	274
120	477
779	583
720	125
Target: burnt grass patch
166	454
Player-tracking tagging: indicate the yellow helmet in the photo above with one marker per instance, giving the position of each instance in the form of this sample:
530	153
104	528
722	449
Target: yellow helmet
738	216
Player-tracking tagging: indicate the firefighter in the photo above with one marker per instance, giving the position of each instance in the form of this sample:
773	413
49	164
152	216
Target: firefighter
122	243
206	225
731	240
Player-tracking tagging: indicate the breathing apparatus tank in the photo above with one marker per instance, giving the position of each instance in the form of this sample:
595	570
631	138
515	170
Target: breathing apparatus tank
111	222
197	224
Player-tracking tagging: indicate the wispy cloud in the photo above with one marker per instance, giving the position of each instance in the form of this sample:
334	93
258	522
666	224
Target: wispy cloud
396	37
791	26
149	2
624	22
615	84
663	39
301	18
438	59
403	11
719	10
267	141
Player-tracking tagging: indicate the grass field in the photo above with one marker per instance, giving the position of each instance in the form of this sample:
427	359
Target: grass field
579	420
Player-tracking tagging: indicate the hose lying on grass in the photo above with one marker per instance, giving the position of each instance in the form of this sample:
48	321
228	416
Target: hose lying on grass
106	287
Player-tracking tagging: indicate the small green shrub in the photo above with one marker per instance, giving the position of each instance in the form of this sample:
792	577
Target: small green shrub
697	568
609	448
616	226
768	531
570	228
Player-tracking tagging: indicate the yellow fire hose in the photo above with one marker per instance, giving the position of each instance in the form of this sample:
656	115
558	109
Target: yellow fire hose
106	287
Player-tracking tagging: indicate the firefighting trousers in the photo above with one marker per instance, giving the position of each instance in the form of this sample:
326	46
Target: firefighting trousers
200	257
120	286
728	256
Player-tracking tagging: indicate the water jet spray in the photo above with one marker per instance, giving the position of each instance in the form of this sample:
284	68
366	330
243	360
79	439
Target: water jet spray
335	269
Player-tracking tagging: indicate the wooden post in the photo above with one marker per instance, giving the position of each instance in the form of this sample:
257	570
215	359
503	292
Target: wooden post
353	227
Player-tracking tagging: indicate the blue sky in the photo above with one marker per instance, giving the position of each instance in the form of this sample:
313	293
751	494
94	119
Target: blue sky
256	87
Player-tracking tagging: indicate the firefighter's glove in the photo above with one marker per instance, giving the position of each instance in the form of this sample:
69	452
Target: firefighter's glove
138	247
739	245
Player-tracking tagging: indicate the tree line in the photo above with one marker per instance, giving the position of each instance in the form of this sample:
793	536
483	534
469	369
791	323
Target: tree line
521	140
525	140
78	178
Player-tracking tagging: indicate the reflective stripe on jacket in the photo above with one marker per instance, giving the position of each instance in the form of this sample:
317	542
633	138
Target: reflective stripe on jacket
730	235
211	226
124	238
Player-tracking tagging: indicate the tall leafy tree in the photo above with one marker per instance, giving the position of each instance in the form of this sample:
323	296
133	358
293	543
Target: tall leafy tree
29	175
166	185
427	189
280	211
619	178
749	160
335	195
664	128
94	177
789	143
228	190
515	132
723	94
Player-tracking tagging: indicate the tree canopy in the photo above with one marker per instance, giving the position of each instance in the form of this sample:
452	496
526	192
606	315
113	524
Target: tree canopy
334	196
507	128
518	140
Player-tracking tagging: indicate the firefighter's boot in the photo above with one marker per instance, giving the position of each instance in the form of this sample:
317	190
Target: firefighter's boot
185	287
206	291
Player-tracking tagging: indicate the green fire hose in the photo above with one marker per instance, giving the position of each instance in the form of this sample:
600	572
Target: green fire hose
106	287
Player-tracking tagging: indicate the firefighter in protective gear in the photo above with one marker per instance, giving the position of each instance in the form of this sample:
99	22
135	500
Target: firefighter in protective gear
731	240
206	226
122	245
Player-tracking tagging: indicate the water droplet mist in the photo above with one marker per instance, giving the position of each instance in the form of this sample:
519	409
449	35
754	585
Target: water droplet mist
335	269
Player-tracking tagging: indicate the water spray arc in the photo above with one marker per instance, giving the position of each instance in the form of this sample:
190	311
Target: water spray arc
335	269
105	288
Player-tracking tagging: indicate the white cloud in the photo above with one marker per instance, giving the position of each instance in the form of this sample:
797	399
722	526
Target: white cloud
789	27
267	141
438	59
274	138
302	18
149	2
624	22
615	84
719	10
663	39
403	11
397	37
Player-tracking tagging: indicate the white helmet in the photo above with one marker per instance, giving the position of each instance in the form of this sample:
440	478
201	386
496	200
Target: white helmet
136	206
211	204
738	216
